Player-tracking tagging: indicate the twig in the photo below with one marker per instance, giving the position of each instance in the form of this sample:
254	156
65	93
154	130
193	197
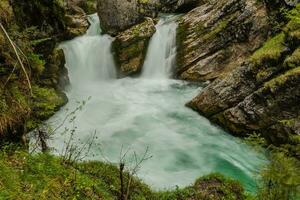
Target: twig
18	57
15	65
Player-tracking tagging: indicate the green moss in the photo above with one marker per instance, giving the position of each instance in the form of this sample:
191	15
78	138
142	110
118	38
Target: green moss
45	102
271	51
281	79
264	74
37	64
290	122
19	96
3	105
293	26
219	28
293	60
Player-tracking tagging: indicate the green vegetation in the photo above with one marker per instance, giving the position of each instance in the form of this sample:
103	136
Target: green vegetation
211	187
280	80
45	102
35	44
293	27
43	176
293	60
280	178
271	51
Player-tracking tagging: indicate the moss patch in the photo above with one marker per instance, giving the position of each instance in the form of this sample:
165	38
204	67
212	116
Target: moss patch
281	79
271	51
293	60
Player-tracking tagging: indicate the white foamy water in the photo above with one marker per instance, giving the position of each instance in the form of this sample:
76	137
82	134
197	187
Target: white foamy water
149	111
162	50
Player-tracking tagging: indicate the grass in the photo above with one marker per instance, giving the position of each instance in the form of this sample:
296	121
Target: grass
44	176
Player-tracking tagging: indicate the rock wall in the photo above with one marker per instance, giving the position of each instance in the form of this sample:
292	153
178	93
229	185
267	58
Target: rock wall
262	94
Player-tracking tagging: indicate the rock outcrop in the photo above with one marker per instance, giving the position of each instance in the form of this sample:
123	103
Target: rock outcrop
131	45
262	94
118	15
217	36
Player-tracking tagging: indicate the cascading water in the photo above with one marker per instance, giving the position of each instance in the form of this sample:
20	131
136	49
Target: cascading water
162	50
149	112
88	57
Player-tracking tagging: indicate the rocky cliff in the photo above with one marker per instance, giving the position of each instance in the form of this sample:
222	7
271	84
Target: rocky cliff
262	93
217	36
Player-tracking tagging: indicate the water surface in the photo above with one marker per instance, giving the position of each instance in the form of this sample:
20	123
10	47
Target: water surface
149	111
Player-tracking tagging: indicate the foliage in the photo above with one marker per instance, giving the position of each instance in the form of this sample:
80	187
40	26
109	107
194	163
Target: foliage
280	178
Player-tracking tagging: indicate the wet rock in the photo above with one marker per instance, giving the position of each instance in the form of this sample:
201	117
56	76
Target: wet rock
75	21
217	36
131	45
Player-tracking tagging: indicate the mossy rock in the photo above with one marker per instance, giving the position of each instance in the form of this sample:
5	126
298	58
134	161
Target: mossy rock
131	45
45	102
271	52
280	80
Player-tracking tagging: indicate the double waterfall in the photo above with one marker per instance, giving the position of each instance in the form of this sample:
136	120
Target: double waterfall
136	113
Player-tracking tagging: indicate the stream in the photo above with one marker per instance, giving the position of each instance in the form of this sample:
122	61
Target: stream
133	114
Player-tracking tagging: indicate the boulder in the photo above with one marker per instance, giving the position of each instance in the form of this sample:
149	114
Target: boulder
130	47
118	15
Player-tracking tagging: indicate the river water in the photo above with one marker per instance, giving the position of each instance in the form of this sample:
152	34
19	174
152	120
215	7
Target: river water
133	114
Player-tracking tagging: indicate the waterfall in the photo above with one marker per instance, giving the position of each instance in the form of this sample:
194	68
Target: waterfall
89	57
161	53
135	113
